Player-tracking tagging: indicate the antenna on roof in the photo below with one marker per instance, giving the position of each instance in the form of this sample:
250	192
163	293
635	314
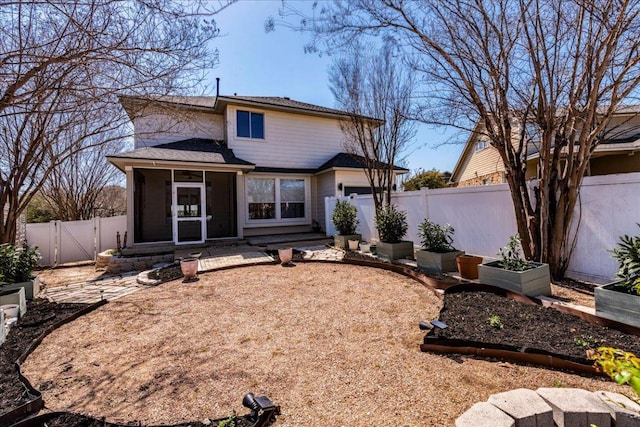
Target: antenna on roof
217	87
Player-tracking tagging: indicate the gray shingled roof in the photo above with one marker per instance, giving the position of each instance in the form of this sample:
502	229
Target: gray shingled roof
189	150
276	102
346	160
284	102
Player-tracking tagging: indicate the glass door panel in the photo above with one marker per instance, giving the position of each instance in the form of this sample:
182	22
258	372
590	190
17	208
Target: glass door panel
189	213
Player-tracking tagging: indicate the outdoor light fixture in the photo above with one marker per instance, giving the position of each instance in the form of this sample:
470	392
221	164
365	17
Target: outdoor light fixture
263	410
340	186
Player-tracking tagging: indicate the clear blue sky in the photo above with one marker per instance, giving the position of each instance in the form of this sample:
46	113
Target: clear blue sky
256	63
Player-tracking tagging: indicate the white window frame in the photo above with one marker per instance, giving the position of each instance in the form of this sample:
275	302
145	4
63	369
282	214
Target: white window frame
278	220
480	145
250	111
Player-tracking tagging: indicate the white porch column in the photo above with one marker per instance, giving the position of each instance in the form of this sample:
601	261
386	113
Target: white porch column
130	205
241	204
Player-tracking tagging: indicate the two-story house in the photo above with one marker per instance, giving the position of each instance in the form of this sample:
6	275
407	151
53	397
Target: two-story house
480	163
219	167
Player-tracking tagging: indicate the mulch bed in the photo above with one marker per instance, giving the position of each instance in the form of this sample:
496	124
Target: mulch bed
466	314
40	315
525	326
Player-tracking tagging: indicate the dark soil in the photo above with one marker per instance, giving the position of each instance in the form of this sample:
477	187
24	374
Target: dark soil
167	273
525	326
77	420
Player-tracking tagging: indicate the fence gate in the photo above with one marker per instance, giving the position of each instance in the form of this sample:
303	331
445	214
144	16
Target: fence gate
61	242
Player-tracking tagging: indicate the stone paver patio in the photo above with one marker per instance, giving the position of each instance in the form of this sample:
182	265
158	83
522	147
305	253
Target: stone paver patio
211	259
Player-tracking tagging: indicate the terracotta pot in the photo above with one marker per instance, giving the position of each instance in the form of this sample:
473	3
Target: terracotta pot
286	255
468	266
189	267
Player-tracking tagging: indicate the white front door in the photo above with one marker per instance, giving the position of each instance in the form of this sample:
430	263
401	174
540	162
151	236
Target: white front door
189	216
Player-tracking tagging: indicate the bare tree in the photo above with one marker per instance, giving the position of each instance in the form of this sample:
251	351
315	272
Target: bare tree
376	92
63	66
550	74
76	189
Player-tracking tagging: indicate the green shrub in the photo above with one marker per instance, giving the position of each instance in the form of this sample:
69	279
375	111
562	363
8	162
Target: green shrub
345	218
17	263
621	366
391	224
435	237
628	255
510	256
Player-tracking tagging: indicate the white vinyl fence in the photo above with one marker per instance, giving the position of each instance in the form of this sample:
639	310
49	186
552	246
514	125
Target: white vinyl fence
483	219
61	242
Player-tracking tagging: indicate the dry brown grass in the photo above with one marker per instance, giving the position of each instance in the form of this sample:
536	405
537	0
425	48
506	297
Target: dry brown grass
331	344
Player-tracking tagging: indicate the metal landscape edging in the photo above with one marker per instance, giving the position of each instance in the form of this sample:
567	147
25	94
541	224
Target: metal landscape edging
37	403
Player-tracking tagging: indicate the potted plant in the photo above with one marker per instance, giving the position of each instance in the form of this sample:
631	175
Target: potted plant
620	300
16	269
392	227
345	219
437	254
515	273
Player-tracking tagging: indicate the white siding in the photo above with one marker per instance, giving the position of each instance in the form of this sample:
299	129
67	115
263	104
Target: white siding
159	127
326	187
291	140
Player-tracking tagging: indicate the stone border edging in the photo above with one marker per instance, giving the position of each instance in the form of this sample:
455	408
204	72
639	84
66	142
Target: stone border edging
552	406
31	407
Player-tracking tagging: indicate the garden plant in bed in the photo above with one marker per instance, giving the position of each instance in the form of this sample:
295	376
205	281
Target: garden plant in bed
437	254
620	300
514	273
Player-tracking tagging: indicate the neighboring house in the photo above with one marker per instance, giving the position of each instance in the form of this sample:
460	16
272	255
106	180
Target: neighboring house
480	163
220	167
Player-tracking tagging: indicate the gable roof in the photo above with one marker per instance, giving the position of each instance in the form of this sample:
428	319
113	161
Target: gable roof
626	143
194	150
217	104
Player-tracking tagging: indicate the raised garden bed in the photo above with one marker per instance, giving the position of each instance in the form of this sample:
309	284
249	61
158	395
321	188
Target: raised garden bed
521	330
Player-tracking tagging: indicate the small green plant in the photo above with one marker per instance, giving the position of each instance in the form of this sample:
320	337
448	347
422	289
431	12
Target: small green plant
510	256
345	218
586	341
229	422
435	237
391	224
495	322
621	366
557	384
17	263
628	255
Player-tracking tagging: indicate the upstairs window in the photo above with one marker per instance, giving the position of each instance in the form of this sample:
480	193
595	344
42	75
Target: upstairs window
249	125
481	145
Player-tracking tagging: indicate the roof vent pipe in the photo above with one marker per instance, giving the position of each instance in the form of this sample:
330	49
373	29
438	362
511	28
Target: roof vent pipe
217	87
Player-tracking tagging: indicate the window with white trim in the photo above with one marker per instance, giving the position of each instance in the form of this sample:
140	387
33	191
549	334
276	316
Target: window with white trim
249	124
481	145
276	198
261	196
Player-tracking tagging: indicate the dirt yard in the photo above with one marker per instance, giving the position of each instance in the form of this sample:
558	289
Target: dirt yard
331	344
